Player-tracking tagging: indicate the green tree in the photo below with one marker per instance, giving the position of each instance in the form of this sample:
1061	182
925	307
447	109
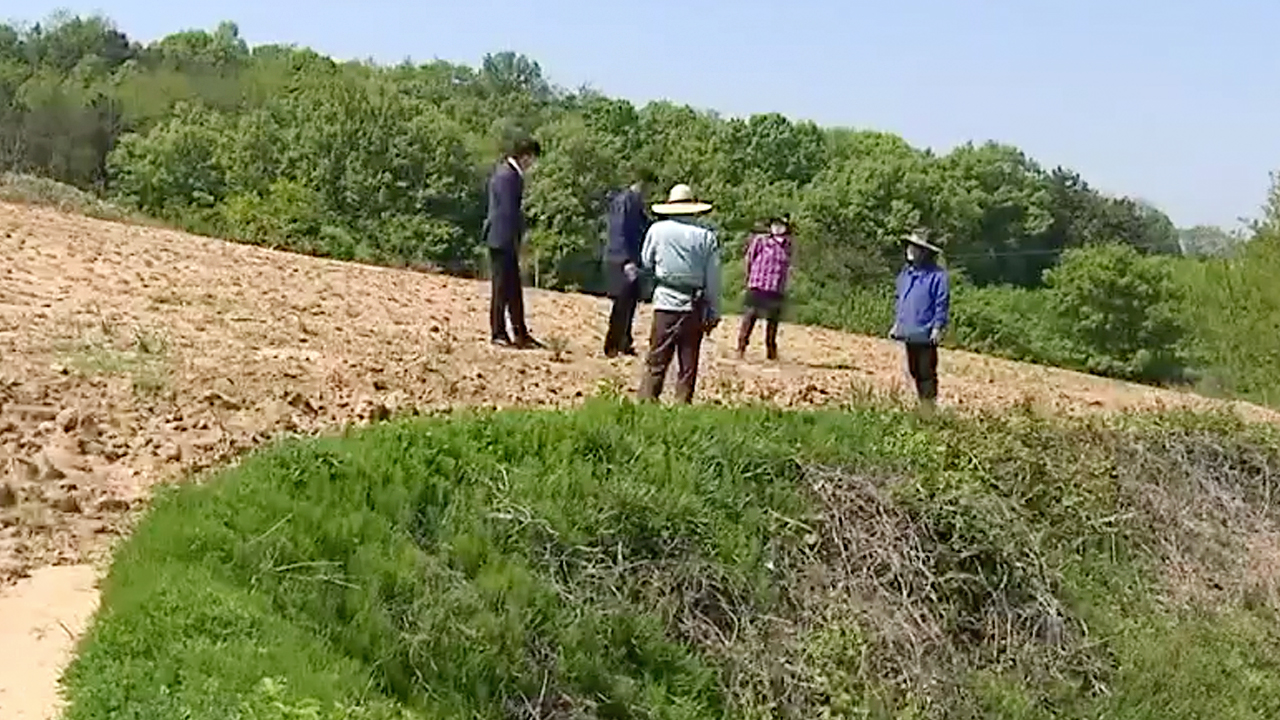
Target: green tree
64	41
1119	312
994	204
174	169
1208	241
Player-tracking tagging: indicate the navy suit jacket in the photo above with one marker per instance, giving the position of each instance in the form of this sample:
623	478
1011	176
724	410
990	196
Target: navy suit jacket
504	221
627	225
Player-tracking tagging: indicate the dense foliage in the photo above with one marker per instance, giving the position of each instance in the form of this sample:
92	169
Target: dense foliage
281	146
623	561
1105	309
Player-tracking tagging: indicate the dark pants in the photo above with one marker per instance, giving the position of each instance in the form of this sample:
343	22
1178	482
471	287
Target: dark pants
675	334
507	295
922	363
765	305
626	295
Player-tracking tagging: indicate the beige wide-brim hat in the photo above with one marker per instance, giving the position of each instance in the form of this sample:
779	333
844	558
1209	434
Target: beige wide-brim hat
918	240
680	201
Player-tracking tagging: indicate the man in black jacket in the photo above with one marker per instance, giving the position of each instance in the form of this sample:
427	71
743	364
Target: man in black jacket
627	225
503	233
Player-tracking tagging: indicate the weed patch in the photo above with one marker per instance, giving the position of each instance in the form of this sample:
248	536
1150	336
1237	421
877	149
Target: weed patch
140	353
625	561
33	190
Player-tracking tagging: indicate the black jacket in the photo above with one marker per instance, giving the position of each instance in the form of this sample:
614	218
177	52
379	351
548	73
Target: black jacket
504	221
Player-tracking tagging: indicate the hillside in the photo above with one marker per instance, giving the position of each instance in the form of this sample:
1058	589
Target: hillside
282	146
619	562
132	354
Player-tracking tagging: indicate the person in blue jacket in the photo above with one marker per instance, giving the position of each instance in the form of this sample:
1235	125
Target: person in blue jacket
922	314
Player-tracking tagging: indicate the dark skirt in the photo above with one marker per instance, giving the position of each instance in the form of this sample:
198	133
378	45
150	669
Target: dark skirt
767	305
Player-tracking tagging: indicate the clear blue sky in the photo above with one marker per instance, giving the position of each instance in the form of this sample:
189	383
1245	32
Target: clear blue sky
1174	102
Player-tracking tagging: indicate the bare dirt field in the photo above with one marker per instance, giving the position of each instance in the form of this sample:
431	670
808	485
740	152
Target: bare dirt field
130	355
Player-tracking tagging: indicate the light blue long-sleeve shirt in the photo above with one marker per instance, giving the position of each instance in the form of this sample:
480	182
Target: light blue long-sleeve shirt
679	252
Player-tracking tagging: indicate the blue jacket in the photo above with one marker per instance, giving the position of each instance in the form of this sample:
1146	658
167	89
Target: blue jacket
924	302
504	221
627	225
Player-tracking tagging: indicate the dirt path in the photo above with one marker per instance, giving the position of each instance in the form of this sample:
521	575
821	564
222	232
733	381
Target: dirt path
40	620
129	355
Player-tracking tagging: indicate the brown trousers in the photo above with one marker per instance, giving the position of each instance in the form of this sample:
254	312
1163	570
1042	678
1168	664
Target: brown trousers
678	335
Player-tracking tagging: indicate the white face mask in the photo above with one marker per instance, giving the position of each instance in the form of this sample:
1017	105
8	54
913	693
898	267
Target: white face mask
778	229
912	254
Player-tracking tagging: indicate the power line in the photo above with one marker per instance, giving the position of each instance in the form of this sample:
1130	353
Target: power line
1022	253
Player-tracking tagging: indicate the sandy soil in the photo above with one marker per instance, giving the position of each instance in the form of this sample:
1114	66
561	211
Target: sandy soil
130	355
39	622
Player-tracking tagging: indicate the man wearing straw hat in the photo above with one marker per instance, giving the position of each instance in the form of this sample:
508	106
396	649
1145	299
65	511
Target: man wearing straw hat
922	314
684	260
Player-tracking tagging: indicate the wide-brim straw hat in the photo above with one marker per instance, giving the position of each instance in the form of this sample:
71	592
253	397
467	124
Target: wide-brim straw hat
681	201
918	240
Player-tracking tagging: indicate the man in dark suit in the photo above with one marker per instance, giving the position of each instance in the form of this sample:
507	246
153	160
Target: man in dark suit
503	234
628	223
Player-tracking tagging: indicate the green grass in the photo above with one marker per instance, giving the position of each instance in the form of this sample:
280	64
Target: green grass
620	561
105	350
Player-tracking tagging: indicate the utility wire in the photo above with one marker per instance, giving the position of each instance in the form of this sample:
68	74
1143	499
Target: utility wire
1027	253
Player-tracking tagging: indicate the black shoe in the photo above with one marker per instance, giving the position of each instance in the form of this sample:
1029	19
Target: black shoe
526	342
630	352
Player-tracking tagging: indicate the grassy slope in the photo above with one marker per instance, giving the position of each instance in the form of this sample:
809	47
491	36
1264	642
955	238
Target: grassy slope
626	562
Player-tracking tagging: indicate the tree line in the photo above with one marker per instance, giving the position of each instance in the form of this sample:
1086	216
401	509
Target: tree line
282	146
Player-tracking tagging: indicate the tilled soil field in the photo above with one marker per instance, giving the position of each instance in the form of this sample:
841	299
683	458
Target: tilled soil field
130	355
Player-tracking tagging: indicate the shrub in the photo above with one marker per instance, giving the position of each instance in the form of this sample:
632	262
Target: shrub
1011	322
173	171
288	214
1119	312
1234	306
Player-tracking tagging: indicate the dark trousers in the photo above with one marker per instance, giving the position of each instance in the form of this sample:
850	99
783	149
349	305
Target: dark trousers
760	304
507	295
626	295
770	333
679	335
922	363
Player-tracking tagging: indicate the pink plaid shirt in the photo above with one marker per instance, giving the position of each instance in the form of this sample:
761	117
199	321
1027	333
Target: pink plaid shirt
768	263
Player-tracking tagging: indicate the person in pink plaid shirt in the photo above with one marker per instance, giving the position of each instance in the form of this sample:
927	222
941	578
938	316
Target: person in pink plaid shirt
768	265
